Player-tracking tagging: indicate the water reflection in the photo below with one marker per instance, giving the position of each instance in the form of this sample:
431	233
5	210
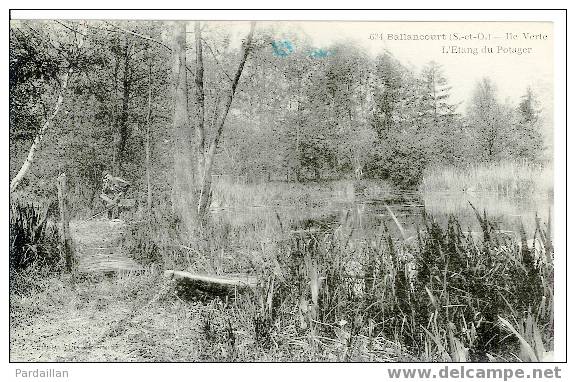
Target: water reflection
369	211
509	213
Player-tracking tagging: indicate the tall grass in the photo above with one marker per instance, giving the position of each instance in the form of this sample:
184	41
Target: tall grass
348	294
506	178
34	246
33	238
217	247
444	298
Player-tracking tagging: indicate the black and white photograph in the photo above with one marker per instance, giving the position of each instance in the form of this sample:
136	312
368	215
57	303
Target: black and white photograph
281	191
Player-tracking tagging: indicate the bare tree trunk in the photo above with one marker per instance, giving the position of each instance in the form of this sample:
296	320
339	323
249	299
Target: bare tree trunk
148	121
299	127
30	158
123	123
199	81
184	197
203	203
115	119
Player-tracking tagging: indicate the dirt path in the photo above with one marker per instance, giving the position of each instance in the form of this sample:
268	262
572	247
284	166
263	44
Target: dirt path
97	246
71	321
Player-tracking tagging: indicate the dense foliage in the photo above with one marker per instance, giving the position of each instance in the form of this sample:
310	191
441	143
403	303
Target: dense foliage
329	287
302	112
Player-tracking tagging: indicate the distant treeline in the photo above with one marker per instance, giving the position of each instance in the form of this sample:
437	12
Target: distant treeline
301	112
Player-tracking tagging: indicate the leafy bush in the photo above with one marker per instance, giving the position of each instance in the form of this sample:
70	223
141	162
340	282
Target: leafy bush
403	166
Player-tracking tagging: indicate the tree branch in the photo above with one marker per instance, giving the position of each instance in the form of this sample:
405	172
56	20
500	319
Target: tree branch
218	62
30	158
148	38
245	52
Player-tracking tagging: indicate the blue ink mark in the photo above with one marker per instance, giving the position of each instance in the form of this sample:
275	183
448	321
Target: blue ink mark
282	48
320	53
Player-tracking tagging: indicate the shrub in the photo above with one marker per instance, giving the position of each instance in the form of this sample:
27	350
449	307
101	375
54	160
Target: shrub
33	239
402	166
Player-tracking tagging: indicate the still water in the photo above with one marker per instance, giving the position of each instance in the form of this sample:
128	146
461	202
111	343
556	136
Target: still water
370	209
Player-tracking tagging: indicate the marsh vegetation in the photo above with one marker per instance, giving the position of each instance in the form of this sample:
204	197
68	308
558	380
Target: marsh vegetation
380	220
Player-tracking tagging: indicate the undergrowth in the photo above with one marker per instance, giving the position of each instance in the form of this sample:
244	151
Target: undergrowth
325	292
34	245
343	293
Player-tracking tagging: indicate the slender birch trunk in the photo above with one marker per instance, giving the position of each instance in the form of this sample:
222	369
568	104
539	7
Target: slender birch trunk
31	153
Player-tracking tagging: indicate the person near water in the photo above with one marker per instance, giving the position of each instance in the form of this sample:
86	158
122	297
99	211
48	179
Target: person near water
113	188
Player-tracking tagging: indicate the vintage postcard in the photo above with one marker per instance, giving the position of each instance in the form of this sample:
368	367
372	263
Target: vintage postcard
283	191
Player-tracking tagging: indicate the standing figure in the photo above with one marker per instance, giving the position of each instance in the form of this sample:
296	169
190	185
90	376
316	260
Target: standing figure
113	189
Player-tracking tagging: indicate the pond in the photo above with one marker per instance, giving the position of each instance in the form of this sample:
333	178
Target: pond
369	209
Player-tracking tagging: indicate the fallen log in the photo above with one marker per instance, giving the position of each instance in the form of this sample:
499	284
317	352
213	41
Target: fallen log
192	286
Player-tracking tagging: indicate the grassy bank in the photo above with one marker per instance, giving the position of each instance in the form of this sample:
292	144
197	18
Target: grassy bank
506	178
103	320
322	295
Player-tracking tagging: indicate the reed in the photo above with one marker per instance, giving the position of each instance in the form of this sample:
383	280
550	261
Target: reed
505	178
33	238
326	294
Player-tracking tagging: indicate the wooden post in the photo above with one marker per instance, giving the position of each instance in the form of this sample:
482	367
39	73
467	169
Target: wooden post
65	239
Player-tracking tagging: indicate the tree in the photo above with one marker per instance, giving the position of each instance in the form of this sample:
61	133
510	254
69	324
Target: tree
400	152
122	130
386	85
184	195
438	120
337	126
489	121
527	141
61	61
147	141
193	162
209	152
